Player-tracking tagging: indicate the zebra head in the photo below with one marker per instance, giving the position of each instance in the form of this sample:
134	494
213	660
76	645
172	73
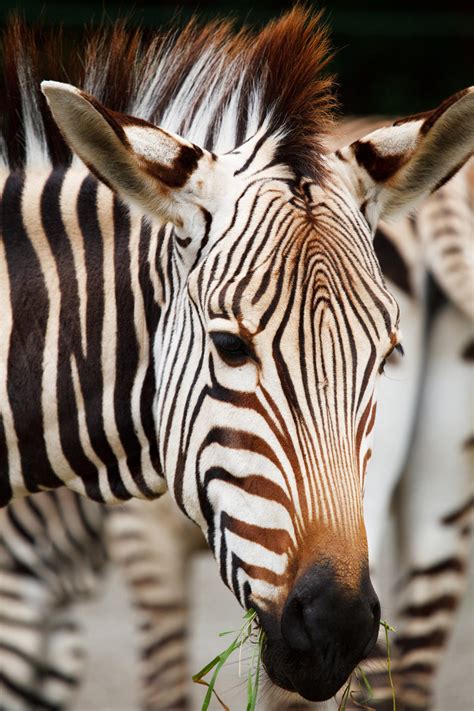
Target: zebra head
275	324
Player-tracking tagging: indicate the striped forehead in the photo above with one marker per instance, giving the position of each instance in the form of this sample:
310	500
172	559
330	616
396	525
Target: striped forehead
308	245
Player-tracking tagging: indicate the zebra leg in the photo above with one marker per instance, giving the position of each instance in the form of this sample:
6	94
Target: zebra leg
41	654
435	505
23	603
51	553
66	654
151	542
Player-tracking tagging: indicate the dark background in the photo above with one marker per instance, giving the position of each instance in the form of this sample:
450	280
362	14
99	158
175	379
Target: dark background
392	57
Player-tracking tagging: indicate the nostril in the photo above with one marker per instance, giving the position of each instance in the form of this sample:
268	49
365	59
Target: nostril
376	611
293	628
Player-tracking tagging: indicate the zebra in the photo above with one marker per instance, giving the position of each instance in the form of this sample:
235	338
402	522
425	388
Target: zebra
52	555
55	548
434	556
432	583
220	332
404	249
152	545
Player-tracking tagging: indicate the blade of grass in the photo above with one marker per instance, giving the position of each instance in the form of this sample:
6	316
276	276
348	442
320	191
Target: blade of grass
257	673
388	629
205	707
360	704
345	695
367	684
252	686
250	694
211	684
205	670
218	662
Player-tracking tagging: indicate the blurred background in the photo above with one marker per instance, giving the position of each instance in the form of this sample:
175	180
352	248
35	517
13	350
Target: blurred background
392	57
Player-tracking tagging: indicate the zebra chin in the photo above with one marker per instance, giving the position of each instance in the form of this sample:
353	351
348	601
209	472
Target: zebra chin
322	634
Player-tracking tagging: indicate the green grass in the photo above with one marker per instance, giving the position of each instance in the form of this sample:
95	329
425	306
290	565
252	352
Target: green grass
361	677
388	629
244	635
249	632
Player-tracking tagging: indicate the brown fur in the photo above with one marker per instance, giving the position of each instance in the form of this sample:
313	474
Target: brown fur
328	544
379	167
115	63
433	116
41	51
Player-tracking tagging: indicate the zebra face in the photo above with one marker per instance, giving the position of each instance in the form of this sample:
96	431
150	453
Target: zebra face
274	326
284	343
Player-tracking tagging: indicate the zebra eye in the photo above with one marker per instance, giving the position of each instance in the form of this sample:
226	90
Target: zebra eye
398	348
232	349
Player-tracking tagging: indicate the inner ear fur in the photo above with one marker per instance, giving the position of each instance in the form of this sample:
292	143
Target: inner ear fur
142	162
398	165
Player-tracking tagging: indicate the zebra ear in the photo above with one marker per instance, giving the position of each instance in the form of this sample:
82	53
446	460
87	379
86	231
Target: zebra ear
393	168
161	173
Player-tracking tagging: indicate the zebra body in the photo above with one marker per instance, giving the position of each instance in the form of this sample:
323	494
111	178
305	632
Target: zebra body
75	242
152	544
432	515
236	362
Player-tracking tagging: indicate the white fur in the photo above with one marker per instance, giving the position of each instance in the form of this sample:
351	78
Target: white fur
37	155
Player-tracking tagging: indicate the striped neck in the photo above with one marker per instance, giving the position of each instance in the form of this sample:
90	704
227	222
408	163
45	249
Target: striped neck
82	301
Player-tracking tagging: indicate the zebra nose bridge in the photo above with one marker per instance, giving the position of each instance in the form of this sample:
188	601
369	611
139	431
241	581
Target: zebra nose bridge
341	545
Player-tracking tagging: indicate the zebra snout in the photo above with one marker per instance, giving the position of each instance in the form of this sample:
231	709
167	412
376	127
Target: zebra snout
326	629
320	610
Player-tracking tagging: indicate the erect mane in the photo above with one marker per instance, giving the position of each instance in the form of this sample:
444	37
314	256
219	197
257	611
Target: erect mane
209	83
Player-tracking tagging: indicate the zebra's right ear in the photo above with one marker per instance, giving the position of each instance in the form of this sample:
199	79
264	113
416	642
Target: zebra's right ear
164	175
391	170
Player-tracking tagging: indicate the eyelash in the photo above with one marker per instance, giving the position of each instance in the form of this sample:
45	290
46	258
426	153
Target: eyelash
398	348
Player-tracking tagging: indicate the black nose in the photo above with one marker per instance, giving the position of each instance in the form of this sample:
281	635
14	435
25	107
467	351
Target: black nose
327	627
322	614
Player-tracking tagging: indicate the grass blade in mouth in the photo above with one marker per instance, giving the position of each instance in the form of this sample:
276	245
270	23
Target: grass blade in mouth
254	674
345	695
242	636
348	693
367	683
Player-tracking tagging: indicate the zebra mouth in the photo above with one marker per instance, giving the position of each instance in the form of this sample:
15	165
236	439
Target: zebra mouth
308	675
315	674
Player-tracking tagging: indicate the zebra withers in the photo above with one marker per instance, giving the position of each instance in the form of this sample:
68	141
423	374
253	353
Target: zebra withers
226	345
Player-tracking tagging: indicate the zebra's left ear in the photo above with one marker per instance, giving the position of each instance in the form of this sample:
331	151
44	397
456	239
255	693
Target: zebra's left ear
390	170
163	174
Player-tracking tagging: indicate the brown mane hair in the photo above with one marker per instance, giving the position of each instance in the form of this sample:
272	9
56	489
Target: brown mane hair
273	75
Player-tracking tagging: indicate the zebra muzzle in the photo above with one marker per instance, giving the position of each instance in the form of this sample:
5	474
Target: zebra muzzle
323	633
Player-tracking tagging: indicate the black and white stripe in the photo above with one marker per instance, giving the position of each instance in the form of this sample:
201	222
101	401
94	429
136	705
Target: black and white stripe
52	554
117	377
